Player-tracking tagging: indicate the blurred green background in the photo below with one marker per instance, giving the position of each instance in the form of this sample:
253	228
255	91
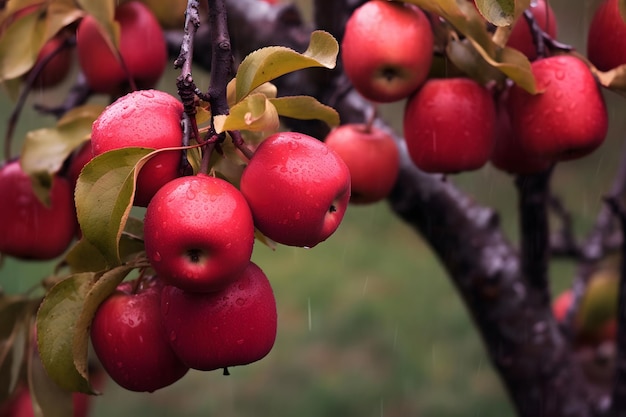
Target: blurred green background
369	324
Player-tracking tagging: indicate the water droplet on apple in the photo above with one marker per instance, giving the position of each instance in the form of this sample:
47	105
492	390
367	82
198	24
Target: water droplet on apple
215	328
558	94
558	109
157	257
297	216
240	301
213	198
284	169
293	145
559	74
228	245
191	194
240	342
128	113
148	94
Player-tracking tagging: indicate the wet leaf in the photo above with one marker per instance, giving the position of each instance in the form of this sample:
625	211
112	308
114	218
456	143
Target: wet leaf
104	196
305	108
56	324
268	63
498	12
102	288
255	113
84	257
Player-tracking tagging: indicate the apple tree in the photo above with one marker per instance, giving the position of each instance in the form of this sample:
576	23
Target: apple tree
286	136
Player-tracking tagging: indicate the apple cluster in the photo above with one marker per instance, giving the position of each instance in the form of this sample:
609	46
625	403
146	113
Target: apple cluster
207	305
453	122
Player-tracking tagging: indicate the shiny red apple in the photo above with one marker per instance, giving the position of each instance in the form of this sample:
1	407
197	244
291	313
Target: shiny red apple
297	188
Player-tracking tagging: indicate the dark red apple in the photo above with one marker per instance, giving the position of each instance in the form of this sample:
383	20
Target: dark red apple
199	233
146	118
387	49
449	125
606	39
297	188
28	228
130	340
521	37
568	119
235	326
142	48
372	157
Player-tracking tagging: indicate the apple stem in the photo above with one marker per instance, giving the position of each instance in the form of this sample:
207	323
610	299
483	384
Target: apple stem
26	89
372	115
226	372
541	39
240	144
207	150
139	281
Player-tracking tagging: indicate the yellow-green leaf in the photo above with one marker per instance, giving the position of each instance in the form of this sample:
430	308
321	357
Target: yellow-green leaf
56	324
255	113
104	196
305	108
268	89
20	44
60	14
468	22
268	63
498	12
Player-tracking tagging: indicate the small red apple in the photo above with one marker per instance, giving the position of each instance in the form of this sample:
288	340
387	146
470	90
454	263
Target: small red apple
198	233
58	67
130	341
561	304
297	188
387	49
78	160
449	125
29	229
21	405
569	119
606	39
147	118
521	37
372	157
142	47
508	153
234	326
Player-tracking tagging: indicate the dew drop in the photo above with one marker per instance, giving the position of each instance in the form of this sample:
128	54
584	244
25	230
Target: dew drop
297	215
240	301
240	342
213	198
128	113
157	257
148	94
560	74
191	194
293	145
558	109
558	94
284	169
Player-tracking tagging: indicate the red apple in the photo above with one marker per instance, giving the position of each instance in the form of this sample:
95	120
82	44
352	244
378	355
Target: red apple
449	125
148	118
130	340
569	119
606	39
387	50
561	304
297	188
21	404
235	326
142	48
521	37
57	68
508	153
372	157
29	229
198	233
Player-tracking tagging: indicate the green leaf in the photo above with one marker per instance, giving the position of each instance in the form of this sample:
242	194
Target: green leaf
99	292
20	44
61	13
84	257
266	64
45	150
465	57
622	9
498	12
104	196
15	331
305	108
104	13
255	113
56	324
